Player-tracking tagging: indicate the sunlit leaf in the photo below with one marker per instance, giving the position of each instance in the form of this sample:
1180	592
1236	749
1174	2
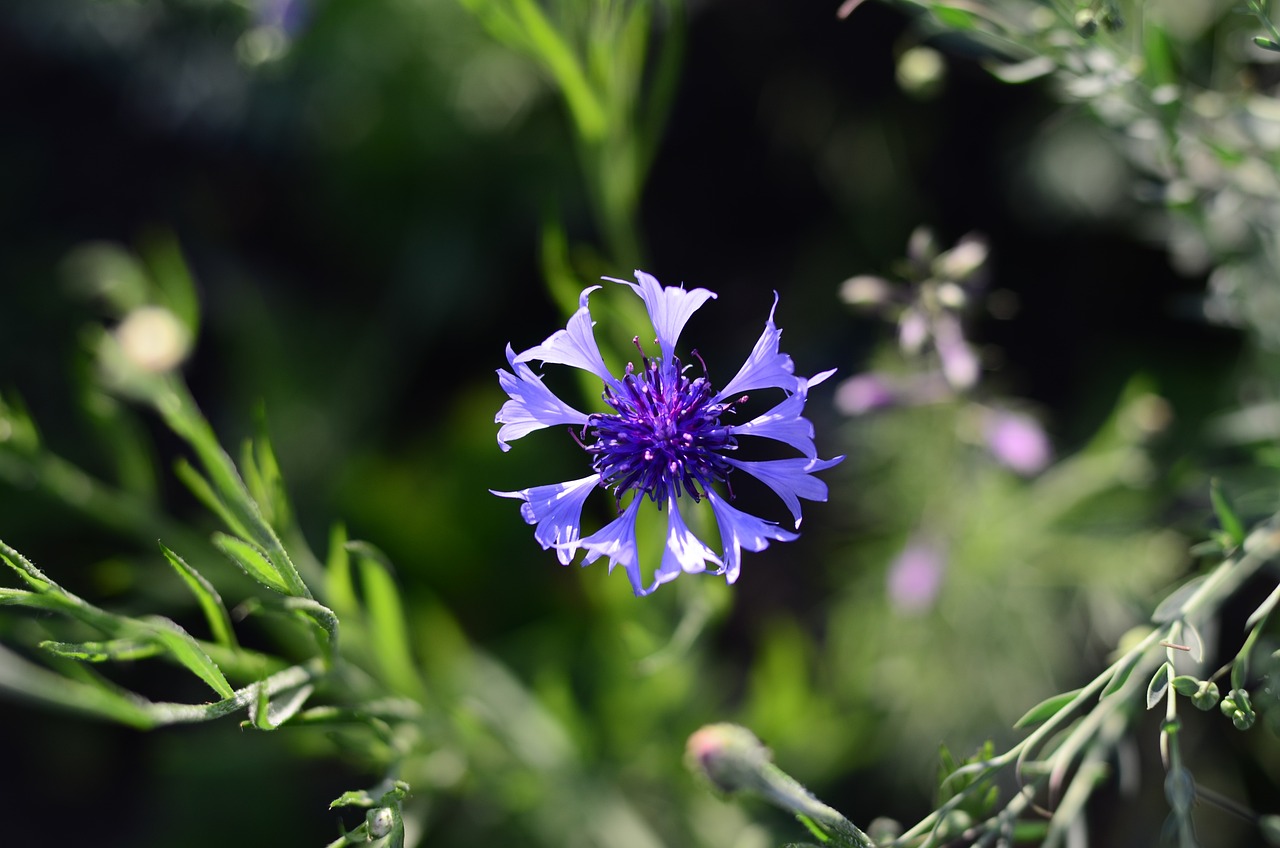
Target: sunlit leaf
207	596
95	652
1227	516
252	560
388	629
179	644
1047	708
1159	684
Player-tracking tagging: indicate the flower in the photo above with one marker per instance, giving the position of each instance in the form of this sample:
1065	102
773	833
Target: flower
915	577
1017	442
664	438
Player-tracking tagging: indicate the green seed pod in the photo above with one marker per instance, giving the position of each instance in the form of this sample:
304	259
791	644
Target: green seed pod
1206	696
1086	23
1237	707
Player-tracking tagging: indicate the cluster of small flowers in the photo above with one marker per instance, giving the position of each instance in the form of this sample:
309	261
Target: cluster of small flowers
929	306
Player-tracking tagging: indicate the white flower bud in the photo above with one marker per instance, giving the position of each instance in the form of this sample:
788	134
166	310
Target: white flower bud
153	339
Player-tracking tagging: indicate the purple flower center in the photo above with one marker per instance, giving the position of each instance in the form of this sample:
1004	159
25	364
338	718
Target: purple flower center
665	437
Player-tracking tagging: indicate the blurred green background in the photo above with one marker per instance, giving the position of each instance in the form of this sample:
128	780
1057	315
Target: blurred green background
361	191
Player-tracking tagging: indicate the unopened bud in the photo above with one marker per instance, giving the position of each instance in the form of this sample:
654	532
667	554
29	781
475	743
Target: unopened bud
729	756
153	339
1237	707
380	821
1086	23
1206	696
921	72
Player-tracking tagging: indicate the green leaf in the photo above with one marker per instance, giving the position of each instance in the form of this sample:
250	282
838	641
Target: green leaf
1159	683
1121	675
340	591
1171	607
208	598
317	613
183	648
1270	828
95	652
388	629
818	832
353	798
31	575
20	433
29	680
254	562
269	714
172	280
1227	517
1186	685
1046	709
199	486
262	476
1264	609
955	17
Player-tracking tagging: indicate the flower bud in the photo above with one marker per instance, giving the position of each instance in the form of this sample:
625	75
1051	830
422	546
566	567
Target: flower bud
1237	707
380	821
729	756
153	339
1086	23
1206	696
921	72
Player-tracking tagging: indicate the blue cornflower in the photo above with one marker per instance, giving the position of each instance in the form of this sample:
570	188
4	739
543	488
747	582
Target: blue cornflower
665	438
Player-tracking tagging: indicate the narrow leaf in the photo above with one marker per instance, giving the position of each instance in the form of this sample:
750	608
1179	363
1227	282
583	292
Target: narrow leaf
1264	609
185	650
1046	709
113	649
1021	72
1159	683
215	612
199	486
26	679
1227	517
353	798
388	630
956	18
251	558
339	589
31	575
1171	607
1121	676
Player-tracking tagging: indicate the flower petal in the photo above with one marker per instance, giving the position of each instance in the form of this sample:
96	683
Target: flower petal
532	405
669	308
557	512
685	552
740	530
785	424
617	541
765	368
574	345
791	479
959	362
